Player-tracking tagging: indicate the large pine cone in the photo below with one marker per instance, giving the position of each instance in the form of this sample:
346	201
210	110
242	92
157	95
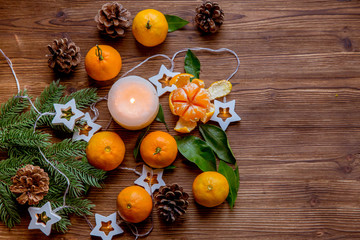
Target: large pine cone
65	55
32	183
113	19
171	202
209	17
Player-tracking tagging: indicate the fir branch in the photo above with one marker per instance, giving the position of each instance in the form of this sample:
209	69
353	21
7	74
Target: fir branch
23	120
62	225
66	152
78	206
16	161
23	138
83	98
12	108
22	153
86	173
50	95
67	149
8	207
6	174
76	188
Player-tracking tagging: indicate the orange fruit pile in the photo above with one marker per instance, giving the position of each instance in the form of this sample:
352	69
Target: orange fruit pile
158	149
103	62
106	150
210	189
150	27
134	204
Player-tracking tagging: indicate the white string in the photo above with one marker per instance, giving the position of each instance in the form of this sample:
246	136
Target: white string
42	114
95	110
67	180
12	69
210	50
153	56
131	169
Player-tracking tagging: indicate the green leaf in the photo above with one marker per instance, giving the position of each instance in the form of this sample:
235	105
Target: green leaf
192	64
218	141
139	140
170	167
160	117
197	151
233	179
175	22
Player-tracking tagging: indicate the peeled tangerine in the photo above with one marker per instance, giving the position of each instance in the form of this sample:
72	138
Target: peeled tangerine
191	103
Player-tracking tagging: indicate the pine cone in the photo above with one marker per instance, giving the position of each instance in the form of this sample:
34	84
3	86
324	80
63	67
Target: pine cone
209	17
113	19
171	202
32	182
65	55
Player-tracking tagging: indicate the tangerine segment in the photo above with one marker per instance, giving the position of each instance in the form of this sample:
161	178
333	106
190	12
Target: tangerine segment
189	102
209	113
183	126
180	80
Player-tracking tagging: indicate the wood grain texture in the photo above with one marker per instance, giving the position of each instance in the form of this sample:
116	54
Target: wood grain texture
297	91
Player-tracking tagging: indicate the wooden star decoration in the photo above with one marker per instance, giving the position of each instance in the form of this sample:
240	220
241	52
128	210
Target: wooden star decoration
67	114
155	181
106	227
162	79
43	218
225	113
87	130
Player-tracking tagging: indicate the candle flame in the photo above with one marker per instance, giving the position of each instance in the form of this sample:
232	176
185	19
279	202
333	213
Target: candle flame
132	100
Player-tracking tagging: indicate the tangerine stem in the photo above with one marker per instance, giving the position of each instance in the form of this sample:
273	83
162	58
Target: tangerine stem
98	52
148	25
157	150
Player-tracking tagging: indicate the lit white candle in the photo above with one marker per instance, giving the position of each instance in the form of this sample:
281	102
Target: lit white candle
133	102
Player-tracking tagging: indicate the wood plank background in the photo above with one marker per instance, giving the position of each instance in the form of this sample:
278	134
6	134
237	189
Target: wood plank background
297	91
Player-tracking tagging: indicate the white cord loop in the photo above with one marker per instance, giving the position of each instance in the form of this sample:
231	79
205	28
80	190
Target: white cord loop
210	50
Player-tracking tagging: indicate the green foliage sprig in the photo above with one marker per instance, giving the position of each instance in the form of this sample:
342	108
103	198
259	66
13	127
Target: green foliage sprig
175	22
202	153
21	144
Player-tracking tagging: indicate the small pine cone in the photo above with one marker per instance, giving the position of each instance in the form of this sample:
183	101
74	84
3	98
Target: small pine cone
171	202
32	182
64	55
113	19
209	17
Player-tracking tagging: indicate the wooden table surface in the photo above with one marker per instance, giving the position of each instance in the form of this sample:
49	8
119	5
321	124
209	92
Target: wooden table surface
297	91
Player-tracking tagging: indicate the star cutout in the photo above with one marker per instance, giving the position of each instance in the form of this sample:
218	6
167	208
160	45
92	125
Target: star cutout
67	114
42	218
156	181
106	227
87	130
231	115
161	80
